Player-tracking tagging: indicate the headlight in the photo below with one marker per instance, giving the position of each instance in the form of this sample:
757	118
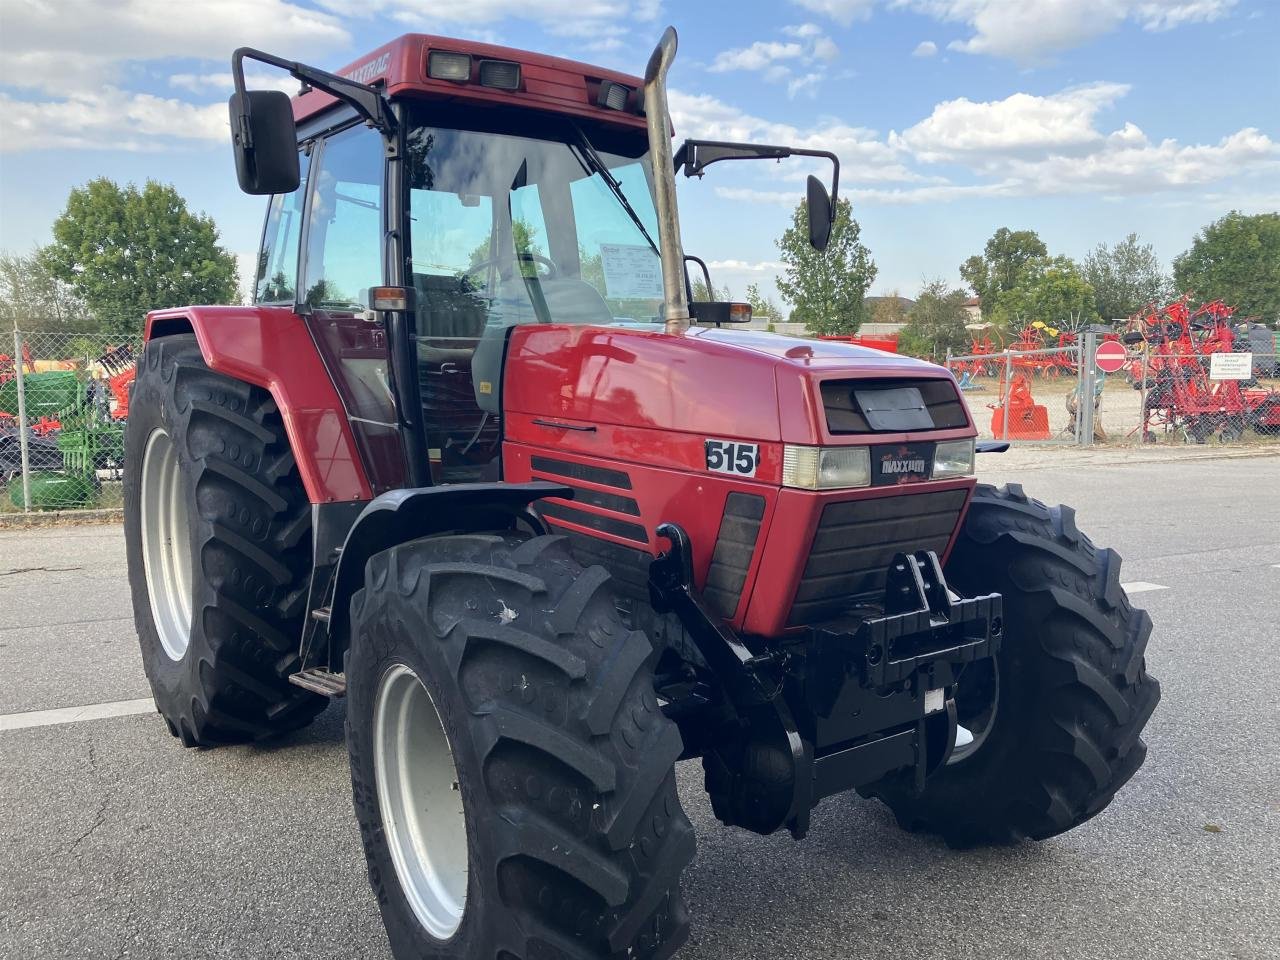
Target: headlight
953	458
825	468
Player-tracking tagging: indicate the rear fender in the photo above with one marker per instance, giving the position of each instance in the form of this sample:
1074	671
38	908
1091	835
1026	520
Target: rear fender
270	347
399	516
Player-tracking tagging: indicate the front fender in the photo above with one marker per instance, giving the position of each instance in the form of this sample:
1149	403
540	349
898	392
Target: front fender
398	516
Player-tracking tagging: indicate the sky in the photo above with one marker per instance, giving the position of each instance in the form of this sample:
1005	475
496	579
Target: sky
1081	119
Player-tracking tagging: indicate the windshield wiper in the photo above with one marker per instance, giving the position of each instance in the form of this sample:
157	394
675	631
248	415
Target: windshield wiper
592	163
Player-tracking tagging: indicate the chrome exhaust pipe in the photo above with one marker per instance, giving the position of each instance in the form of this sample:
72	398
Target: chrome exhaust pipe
675	308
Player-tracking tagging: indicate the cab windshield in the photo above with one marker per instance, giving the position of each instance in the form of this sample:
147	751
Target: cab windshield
546	228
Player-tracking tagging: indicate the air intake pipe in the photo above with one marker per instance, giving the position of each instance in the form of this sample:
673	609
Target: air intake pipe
675	309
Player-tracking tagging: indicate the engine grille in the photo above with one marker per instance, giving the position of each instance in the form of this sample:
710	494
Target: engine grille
856	541
851	406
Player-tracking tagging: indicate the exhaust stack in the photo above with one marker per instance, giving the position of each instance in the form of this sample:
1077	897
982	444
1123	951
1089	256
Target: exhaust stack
676	303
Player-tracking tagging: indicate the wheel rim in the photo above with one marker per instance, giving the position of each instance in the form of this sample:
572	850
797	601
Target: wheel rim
166	544
977	702
420	800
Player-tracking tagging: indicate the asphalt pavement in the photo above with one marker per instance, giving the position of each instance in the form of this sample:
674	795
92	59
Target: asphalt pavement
115	842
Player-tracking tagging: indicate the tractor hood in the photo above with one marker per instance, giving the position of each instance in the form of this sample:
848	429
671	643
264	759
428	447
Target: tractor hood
711	383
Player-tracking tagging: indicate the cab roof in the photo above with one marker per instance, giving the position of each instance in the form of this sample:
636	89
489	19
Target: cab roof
546	83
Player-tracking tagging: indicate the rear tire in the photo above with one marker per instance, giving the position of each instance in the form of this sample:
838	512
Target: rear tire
564	764
1072	687
220	594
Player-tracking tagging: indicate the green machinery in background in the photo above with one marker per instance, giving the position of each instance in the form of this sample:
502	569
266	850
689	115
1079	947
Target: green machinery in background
72	437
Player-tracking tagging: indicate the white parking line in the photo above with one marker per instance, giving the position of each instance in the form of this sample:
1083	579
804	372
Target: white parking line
1141	586
92	711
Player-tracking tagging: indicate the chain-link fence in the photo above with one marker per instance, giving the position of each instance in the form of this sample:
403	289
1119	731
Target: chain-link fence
64	408
1023	396
1179	398
1033	396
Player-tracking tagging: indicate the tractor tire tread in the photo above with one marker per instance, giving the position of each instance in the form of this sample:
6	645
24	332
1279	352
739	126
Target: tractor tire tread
252	519
575	762
1080	737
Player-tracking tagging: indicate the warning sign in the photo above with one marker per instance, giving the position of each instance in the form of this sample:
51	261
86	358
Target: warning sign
1230	366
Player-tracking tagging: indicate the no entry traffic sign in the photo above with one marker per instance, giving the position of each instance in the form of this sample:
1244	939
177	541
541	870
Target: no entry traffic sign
1110	356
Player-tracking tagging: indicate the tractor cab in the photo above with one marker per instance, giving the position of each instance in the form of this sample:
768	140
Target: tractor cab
474	189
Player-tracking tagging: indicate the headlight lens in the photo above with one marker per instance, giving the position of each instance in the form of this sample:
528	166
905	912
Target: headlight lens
825	468
953	458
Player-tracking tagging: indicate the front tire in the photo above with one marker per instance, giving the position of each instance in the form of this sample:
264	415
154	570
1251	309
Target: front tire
552	827
218	539
1057	723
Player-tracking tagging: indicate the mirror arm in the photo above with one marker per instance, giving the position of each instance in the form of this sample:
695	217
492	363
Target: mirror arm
706	274
687	157
368	101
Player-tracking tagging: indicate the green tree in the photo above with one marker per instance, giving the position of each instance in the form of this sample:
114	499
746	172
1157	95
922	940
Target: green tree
525	240
826	288
889	309
32	298
1236	259
761	305
936	323
1125	277
1003	259
1053	291
702	292
125	251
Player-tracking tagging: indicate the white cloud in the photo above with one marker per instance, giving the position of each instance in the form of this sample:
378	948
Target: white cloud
1168	14
925	48
863	157
809	52
747	266
1031	32
759	56
808	85
1019	123
843	12
203	83
1022	146
1128	163
803	31
65	46
547	13
108	119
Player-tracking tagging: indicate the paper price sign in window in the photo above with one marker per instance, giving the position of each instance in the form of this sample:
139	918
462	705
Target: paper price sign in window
631	271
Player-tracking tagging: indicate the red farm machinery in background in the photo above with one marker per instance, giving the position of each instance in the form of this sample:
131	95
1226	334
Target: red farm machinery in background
888	342
1179	342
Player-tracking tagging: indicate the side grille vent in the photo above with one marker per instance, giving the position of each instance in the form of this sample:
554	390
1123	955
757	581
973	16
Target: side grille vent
618	505
735	545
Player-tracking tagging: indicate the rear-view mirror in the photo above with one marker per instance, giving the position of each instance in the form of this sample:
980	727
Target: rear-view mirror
821	215
265	141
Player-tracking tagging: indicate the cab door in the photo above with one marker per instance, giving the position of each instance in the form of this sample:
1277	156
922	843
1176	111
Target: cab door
343	255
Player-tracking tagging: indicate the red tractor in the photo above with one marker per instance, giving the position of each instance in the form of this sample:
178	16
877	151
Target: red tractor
473	459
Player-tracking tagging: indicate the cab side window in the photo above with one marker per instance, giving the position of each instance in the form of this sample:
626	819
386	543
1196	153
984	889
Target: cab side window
344	243
277	280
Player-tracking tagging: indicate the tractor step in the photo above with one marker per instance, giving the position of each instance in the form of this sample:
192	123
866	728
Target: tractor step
321	681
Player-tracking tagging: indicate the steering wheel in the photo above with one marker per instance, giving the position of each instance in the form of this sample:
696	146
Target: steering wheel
553	271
